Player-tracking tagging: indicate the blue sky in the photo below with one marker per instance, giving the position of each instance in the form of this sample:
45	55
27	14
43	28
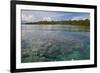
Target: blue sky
34	16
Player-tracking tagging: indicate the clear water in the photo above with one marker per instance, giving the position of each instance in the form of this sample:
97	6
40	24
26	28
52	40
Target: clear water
41	43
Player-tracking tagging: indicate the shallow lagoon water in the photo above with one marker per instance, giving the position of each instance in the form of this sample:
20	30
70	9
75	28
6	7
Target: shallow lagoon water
41	43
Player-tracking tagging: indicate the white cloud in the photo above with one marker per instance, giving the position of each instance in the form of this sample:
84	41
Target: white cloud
27	18
33	16
47	18
80	17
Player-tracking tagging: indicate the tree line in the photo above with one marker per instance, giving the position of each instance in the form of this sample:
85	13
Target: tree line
85	22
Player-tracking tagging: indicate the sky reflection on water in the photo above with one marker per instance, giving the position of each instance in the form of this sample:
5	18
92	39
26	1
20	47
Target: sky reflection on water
54	43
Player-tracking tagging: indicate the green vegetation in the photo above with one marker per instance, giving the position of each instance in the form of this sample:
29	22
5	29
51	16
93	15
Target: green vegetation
85	22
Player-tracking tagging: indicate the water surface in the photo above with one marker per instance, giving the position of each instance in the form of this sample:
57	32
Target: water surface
40	43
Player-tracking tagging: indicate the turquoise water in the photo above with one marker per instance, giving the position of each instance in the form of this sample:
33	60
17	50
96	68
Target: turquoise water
41	43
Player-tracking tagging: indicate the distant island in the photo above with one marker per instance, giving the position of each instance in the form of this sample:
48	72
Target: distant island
85	22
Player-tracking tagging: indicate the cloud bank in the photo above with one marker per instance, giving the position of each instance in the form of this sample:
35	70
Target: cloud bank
34	16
